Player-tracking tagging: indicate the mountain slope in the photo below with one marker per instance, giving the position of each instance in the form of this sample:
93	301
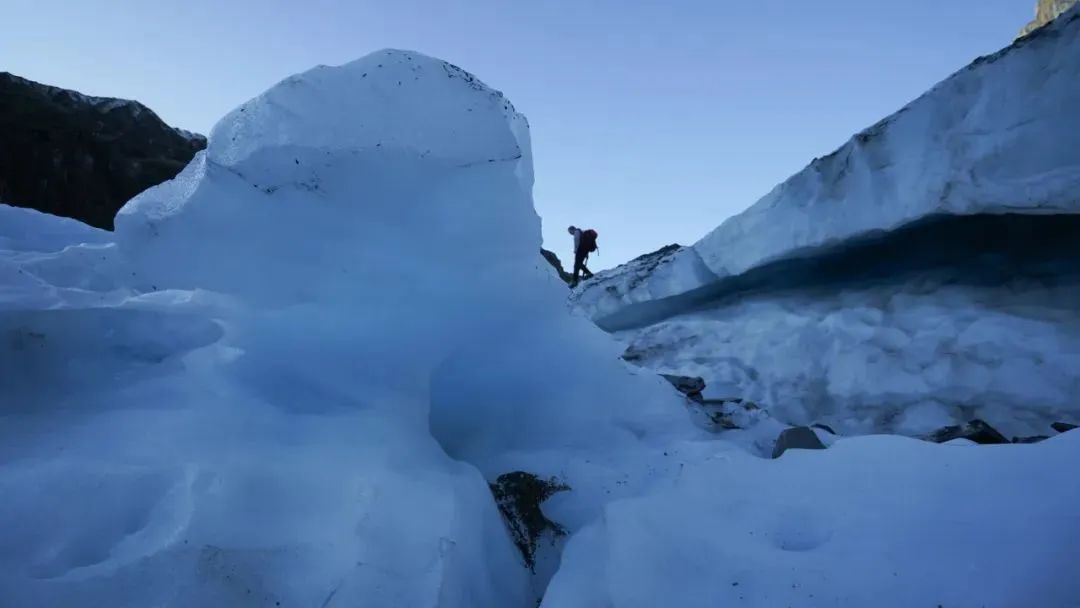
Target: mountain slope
82	157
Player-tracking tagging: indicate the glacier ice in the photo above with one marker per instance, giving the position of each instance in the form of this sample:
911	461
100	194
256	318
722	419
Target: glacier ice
929	259
871	521
287	377
243	403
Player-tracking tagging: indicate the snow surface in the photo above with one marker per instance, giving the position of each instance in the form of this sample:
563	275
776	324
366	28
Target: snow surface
871	521
29	230
288	380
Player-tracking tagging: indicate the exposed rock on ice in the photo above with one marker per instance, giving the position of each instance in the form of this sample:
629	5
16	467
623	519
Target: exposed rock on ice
797	438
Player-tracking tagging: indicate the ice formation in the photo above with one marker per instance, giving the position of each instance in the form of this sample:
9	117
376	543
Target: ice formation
929	263
289	376
239	401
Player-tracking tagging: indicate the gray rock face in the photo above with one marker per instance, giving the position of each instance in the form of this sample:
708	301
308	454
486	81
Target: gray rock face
691	386
519	496
1063	427
730	414
976	430
797	438
1045	12
556	263
82	157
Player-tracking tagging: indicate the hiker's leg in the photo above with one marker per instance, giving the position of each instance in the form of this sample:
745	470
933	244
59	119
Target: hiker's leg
579	265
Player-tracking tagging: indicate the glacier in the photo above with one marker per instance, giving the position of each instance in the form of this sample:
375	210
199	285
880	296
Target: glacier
290	375
928	265
287	375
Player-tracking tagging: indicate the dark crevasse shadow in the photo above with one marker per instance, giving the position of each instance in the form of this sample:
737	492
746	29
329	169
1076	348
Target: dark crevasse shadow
985	250
48	353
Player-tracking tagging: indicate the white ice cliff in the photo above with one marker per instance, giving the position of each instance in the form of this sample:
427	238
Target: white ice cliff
924	273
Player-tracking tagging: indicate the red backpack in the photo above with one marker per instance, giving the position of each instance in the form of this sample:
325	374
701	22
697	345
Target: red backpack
588	240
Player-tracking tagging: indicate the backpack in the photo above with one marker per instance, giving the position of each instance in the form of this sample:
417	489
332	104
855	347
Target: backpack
588	240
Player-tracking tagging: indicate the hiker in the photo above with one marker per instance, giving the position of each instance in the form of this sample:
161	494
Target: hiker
584	244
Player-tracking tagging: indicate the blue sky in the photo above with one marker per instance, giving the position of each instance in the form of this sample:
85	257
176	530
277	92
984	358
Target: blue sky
652	121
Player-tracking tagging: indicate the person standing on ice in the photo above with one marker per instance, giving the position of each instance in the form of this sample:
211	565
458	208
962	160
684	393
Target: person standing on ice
584	244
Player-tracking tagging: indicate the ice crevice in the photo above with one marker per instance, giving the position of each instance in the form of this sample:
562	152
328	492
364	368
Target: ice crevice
978	250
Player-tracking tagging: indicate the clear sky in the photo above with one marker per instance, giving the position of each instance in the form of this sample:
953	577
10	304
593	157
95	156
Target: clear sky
653	121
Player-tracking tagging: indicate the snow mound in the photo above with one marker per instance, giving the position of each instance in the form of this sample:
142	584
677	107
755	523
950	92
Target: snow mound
873	521
29	230
253	400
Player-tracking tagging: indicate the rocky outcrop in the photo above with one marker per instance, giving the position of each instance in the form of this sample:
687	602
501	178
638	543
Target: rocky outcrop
1063	427
69	154
1045	12
691	386
797	438
1032	439
731	414
975	431
519	496
556	263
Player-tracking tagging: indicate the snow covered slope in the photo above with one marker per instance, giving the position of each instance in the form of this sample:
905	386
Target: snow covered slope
876	521
929	263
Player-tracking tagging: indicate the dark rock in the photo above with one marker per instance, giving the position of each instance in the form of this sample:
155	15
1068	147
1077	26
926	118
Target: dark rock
724	420
82	157
730	414
976	430
1034	439
691	386
519	496
1063	427
824	427
557	265
657	255
797	438
638	355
